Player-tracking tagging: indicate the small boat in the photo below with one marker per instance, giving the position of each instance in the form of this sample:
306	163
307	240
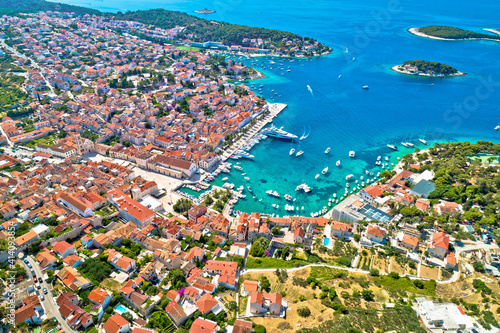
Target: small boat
392	147
409	144
292	151
349	177
387	158
249	189
224	179
327	150
325	170
317	176
425	142
497	127
340	76
405	144
338	163
299	153
366	87
247	179
352	153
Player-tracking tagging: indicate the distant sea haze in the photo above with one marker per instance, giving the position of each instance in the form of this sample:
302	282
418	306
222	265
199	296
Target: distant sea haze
341	114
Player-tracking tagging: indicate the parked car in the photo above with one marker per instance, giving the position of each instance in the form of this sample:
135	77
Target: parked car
29	265
37	285
26	261
42	298
45	291
40	280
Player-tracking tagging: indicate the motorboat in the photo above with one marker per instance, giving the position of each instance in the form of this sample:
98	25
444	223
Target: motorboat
352	153
392	147
348	177
325	170
327	150
292	151
338	163
317	176
299	153
425	142
366	87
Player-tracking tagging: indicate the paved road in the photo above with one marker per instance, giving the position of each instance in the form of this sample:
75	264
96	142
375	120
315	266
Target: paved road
49	304
33	63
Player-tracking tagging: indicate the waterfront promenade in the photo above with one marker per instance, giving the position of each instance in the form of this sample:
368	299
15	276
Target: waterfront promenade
274	110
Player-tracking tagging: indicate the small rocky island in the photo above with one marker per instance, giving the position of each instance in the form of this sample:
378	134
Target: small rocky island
426	68
204	11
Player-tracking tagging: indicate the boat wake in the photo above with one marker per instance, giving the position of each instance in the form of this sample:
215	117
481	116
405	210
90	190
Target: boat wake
310	90
305	135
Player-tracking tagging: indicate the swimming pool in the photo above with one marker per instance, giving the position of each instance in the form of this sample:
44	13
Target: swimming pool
121	309
326	241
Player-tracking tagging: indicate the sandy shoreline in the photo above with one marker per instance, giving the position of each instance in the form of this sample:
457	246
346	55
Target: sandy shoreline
416	32
397	70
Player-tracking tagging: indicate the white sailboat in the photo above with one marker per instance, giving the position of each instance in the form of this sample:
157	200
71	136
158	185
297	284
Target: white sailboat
327	150
325	170
299	153
338	163
292	151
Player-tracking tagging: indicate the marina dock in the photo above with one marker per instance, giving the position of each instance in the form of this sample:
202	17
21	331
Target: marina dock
274	110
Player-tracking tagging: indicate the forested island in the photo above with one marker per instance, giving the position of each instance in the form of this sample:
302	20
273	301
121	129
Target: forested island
250	39
426	68
450	33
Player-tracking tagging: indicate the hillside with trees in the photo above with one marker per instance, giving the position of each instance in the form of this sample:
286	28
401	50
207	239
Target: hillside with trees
460	176
205	30
454	33
31	6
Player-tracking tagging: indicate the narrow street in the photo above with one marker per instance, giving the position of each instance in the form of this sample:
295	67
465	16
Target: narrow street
49	304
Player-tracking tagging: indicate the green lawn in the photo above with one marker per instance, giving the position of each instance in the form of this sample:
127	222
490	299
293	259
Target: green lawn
404	283
189	48
272	263
323	273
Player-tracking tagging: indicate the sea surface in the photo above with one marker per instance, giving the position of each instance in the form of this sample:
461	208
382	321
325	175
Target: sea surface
368	37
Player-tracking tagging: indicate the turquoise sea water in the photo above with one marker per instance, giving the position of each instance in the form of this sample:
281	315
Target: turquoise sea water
341	114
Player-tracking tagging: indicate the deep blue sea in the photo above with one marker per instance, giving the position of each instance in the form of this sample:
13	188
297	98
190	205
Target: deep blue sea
368	37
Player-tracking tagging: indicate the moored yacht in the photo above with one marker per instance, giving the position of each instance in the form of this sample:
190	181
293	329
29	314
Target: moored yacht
425	142
325	170
338	163
352	153
392	147
327	150
299	153
292	151
279	133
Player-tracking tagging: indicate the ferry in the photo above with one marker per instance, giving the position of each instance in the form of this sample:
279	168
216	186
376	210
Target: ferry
425	142
278	133
300	153
327	150
352	153
338	163
392	147
325	170
292	151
